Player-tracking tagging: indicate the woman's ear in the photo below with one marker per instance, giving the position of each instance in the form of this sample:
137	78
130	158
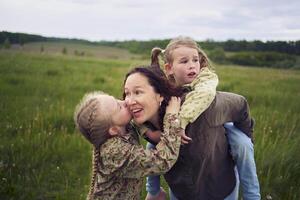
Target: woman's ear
161	98
113	131
168	68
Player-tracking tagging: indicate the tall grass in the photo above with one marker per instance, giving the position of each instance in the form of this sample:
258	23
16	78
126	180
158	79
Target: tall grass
43	157
273	96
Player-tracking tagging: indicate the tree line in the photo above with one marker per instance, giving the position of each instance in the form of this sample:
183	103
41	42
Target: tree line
23	38
276	54
144	47
290	47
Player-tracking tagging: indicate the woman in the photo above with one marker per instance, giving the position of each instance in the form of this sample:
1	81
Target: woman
205	169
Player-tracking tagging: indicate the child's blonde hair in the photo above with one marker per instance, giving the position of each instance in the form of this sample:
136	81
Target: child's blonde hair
93	126
175	43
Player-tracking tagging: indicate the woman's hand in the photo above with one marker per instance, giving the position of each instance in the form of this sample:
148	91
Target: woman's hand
174	105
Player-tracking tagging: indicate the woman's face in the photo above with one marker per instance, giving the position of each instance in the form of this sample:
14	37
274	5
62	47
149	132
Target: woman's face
141	99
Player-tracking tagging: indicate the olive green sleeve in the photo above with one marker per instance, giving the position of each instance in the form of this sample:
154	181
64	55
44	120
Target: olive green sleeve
198	100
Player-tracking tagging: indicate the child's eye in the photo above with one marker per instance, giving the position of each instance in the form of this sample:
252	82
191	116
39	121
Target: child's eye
183	61
126	94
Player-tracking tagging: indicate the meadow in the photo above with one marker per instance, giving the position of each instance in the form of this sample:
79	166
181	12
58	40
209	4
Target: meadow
44	157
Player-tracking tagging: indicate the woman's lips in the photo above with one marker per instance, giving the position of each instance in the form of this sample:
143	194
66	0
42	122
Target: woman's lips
136	112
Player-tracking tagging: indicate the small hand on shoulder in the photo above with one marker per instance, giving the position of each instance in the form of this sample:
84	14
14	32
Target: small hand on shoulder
174	107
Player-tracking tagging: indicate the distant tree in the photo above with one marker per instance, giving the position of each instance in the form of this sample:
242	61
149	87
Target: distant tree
22	39
297	47
78	53
65	51
264	59
42	49
7	44
217	55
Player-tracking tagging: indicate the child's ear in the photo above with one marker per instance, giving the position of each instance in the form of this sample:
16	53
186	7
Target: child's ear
113	131
168	68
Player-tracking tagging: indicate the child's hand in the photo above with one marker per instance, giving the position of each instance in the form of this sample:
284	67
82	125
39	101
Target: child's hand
184	138
174	105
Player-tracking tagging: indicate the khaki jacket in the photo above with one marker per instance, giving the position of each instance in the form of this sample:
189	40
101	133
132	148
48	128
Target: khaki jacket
124	162
205	169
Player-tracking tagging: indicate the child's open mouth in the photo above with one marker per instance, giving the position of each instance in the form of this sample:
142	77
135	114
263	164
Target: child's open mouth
191	74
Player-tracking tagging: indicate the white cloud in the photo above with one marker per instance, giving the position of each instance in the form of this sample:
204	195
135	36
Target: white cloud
132	19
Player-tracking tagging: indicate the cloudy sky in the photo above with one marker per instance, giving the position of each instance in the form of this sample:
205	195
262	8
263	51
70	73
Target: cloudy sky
157	19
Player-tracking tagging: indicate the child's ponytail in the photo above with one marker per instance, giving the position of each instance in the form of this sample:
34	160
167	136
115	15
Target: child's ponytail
156	51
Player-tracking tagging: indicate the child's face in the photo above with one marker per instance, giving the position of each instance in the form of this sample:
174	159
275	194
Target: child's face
116	109
186	66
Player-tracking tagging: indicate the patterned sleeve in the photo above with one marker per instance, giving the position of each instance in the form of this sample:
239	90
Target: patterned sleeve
133	161
198	100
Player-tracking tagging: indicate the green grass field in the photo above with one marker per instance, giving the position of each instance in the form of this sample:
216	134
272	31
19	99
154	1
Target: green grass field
43	157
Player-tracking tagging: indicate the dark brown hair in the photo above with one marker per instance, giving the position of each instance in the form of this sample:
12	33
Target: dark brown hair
158	80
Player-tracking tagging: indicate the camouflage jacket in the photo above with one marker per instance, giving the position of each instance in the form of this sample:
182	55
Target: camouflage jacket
124	162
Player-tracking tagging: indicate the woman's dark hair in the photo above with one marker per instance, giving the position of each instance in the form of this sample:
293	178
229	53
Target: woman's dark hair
158	80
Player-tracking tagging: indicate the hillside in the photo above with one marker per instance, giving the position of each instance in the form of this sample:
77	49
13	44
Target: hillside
75	49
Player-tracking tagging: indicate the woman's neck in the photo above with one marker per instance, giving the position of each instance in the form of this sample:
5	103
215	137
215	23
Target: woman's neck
155	122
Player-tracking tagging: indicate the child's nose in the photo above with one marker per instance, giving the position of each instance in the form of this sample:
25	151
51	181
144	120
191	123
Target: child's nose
124	104
192	65
129	101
